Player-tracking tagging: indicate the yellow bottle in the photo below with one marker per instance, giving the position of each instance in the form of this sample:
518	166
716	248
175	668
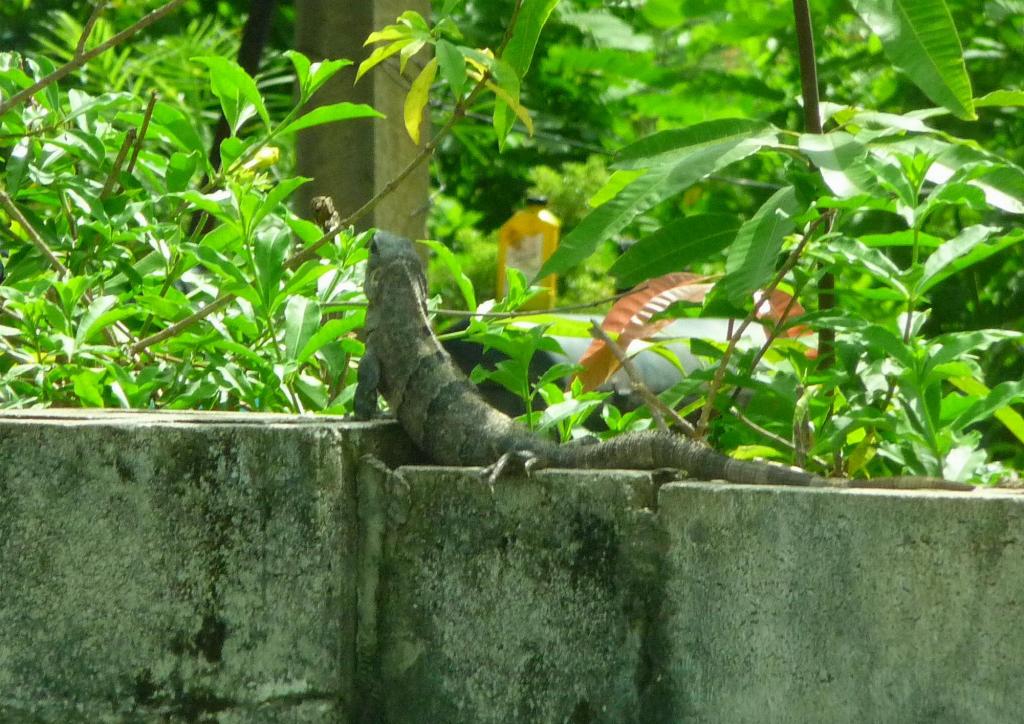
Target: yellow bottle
525	242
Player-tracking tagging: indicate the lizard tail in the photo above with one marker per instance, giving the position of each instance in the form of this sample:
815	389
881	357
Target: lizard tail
651	450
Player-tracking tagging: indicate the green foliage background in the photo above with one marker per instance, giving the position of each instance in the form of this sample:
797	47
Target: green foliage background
606	74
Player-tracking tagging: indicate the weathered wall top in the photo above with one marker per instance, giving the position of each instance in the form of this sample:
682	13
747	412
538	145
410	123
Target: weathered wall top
256	568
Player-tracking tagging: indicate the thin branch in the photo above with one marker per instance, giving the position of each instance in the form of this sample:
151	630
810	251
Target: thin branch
142	132
101	5
533	312
734	338
79	60
659	409
115	170
15	213
808	66
201	314
812	124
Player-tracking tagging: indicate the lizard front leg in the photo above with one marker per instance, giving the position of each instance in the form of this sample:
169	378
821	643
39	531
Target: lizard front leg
367	385
510	464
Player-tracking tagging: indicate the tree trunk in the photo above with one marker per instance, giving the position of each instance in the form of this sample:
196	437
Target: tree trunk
352	160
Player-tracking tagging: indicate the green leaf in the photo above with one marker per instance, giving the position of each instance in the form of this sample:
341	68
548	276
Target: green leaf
950	347
506	88
886	344
301	319
674	161
663	14
532	16
280	191
453	67
234	89
382	53
88	387
752	257
269	256
841	160
17	163
343	111
864	257
675	246
416	99
332	330
919	37
91	321
181	167
954	250
1001	98
311	76
997	403
301	64
671	146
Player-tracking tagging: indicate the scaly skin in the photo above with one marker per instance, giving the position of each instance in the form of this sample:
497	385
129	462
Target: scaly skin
441	410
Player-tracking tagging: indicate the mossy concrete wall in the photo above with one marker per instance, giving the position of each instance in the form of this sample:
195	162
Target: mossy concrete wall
248	568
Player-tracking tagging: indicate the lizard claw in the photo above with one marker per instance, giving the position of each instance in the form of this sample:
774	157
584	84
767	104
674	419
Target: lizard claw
521	462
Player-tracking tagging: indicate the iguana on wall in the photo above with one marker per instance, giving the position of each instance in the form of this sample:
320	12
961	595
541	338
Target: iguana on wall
441	410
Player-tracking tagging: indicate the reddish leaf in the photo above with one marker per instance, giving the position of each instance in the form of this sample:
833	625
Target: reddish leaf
779	307
630	318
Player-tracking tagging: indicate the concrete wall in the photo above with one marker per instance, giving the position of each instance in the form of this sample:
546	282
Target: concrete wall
248	568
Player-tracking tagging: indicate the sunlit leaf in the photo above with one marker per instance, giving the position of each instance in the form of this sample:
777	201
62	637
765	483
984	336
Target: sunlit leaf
921	40
416	99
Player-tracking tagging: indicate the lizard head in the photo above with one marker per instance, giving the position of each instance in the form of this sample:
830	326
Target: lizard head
391	254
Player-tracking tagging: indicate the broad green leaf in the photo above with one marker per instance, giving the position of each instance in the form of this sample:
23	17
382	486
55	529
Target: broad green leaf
532	16
1001	98
954	250
663	13
453	67
181	167
382	53
885	343
905	237
280	191
752	257
670	146
301	319
615	183
234	89
871	260
332	330
90	321
322	71
674	161
343	111
840	159
88	387
408	51
301	64
416	100
231	149
311	76
675	246
950	347
270	252
17	163
919	37
225	269
217	203
996	402
506	87
171	123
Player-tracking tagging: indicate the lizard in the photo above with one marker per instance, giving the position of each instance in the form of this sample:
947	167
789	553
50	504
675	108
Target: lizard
444	415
